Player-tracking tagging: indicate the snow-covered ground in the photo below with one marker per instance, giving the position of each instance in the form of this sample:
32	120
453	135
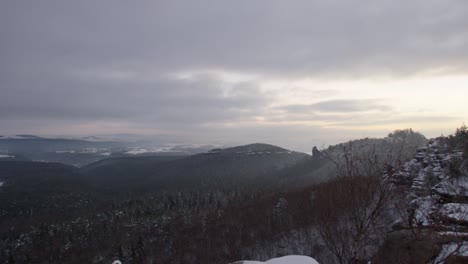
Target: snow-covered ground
455	211
283	260
98	151
453	188
423	210
4	156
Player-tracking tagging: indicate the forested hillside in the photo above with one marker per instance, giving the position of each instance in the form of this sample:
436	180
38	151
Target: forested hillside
250	202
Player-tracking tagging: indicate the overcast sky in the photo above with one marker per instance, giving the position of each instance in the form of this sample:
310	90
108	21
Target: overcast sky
291	73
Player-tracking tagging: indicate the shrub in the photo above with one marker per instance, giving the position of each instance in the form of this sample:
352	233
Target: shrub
459	140
462	132
453	168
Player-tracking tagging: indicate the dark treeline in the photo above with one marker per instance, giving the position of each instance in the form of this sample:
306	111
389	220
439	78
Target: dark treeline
176	227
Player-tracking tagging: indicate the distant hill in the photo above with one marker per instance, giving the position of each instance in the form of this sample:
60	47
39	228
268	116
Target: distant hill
34	144
83	151
256	148
247	165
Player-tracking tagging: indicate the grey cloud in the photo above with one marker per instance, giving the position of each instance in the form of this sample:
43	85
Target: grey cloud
70	62
307	38
338	106
350	106
162	101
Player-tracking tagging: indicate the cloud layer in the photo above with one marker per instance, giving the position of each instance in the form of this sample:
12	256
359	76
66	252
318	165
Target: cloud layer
202	69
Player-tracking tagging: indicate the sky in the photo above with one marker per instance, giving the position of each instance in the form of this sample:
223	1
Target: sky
291	73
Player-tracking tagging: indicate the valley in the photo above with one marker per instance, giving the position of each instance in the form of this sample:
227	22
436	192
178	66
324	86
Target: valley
248	202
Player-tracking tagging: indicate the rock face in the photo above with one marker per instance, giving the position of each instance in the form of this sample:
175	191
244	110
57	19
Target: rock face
432	183
316	153
437	190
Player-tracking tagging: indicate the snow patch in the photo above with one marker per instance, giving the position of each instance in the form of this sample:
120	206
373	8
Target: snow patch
139	151
455	211
4	156
453	233
453	188
284	260
423	209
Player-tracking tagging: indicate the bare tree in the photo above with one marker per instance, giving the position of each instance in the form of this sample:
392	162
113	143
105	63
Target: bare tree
351	210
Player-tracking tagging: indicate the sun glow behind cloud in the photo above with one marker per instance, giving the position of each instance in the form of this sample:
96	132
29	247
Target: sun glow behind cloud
434	103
